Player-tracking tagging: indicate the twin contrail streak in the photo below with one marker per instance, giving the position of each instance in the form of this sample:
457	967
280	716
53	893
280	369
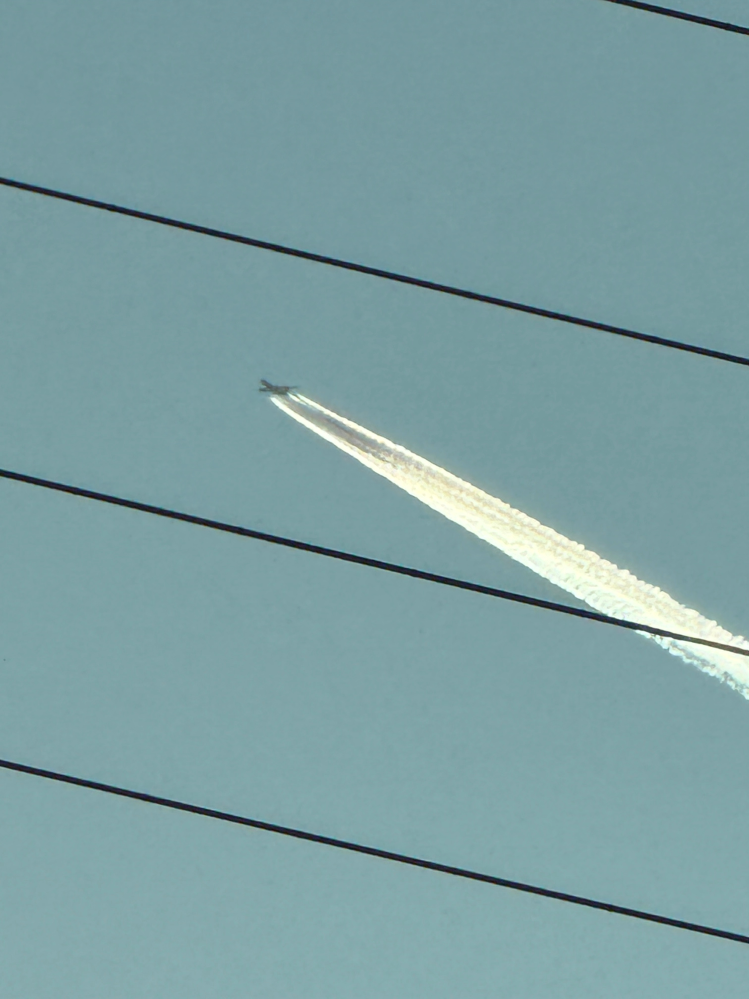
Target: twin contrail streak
581	572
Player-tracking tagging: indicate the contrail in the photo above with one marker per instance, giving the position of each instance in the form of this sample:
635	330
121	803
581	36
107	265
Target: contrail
600	583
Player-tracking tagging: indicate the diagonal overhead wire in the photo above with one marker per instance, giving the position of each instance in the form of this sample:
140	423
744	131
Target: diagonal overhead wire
373	851
682	15
396	276
372	563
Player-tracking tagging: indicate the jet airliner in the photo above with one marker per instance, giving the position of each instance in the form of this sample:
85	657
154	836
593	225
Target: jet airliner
275	389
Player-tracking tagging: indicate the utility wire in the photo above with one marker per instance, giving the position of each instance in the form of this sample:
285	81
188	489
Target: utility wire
373	851
682	15
378	272
376	563
373	563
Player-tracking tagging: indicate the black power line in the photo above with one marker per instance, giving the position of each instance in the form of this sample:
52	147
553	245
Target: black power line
682	15
373	563
378	272
373	851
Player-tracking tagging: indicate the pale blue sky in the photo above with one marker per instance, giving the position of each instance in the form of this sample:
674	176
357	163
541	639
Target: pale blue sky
569	153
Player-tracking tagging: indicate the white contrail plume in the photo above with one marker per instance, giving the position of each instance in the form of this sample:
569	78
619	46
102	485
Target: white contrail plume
566	563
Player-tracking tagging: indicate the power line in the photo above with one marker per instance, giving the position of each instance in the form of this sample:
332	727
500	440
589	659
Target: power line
373	563
373	851
681	15
378	272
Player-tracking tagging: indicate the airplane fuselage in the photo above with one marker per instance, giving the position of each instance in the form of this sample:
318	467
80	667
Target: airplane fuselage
275	389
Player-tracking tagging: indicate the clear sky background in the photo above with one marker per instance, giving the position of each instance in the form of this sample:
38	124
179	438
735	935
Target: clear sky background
568	153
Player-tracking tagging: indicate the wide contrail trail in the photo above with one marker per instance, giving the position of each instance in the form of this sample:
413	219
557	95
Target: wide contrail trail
566	563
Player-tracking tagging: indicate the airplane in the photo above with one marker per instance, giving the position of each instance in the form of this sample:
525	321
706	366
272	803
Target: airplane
275	389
